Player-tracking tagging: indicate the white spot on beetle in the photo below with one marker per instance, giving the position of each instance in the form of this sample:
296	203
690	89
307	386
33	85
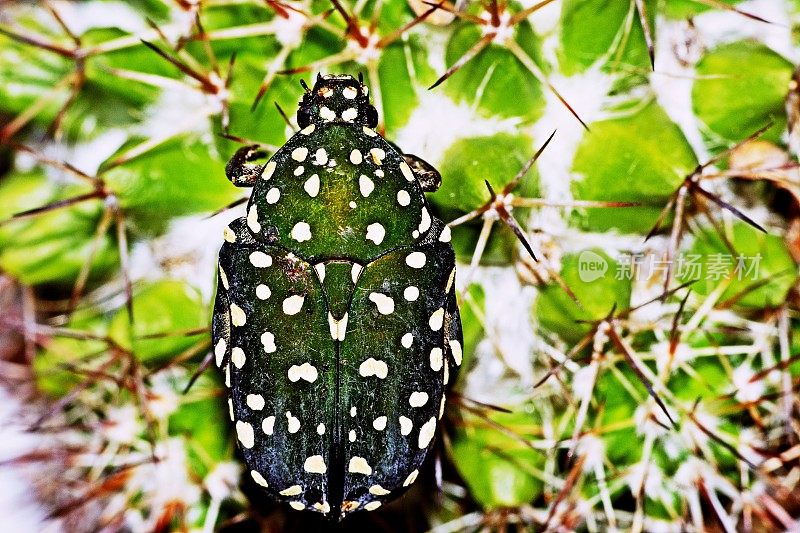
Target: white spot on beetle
416	259
378	156
263	292
320	156
320	268
379	172
411	293
219	351
299	170
326	114
230	410
355	272
412	477
369	132
353	411
455	349
305	371
425	221
351	436
380	423
436	358
323	507
338	327
371	506
237	357
441	407
349	92
359	465
426	433
255	402
418	399
403	198
450	280
268	425
293	304
406	425
435	322
349	114
260	260
297	506
228	375
311	186
228	234
224	278
373	367
352	204
446	376
273	195
269	170
365	185
294	490
268	341
385	304
321	429
300	153
252	219
376	232
244	432
294	422
258	478
407	340
355	157
308	130
315	465
377	490
301	232
406	170
446	234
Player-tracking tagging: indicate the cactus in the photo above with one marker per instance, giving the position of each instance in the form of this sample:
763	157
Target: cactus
627	284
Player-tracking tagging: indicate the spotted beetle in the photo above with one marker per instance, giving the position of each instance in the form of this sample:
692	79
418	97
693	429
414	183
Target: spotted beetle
335	321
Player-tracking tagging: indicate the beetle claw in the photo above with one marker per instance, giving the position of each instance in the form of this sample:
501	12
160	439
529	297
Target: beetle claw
241	170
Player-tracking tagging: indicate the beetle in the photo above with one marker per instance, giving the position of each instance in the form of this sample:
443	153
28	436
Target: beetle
335	320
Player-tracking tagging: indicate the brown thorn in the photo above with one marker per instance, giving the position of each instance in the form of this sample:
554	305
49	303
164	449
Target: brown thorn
674	333
208	87
495	12
575	349
285	117
122	242
572	478
200	370
716	438
86	267
525	13
396	34
722	5
725	205
231	205
753	136
352	24
446	6
675	234
615	338
509	220
212	58
527	166
39	42
57	16
476	48
750	288
661	216
60	204
648	34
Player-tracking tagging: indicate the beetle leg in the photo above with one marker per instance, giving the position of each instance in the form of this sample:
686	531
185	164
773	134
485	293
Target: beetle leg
241	170
429	178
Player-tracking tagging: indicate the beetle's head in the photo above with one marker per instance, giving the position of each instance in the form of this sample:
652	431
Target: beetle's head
337	98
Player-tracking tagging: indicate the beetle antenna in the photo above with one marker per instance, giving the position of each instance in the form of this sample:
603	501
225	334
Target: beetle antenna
304	85
361	77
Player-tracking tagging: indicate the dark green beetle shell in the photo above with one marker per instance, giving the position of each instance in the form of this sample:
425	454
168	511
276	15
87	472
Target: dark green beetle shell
335	320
